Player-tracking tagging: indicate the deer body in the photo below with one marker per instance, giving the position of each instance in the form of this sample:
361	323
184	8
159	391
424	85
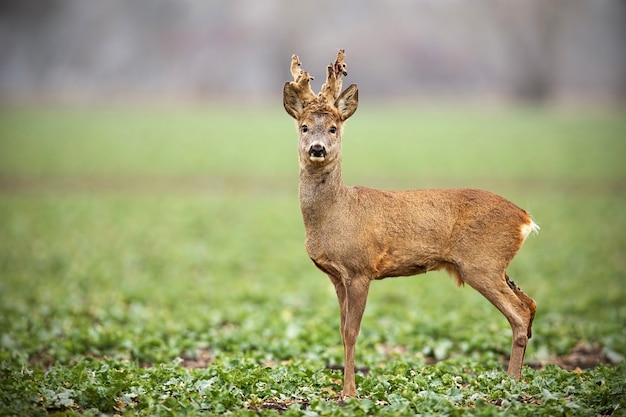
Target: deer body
384	234
357	234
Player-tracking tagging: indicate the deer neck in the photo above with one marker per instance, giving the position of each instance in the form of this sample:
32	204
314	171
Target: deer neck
321	188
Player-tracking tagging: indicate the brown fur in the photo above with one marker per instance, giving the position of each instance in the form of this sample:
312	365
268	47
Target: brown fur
357	234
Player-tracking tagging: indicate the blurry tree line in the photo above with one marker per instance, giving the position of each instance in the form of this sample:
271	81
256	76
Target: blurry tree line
522	49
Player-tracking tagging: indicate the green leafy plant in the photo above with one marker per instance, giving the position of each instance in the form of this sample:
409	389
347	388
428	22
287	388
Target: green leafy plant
151	263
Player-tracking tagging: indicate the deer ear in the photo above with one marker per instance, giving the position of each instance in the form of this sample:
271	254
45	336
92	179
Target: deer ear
291	100
347	102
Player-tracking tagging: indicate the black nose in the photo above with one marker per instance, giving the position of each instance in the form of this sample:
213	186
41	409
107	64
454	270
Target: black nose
317	150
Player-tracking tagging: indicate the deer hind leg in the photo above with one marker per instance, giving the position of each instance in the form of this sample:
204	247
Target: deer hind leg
352	299
525	300
518	308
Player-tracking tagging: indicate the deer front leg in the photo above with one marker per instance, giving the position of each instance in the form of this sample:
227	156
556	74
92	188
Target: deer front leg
352	313
340	289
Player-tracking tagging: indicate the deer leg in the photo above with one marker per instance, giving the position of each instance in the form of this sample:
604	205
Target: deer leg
526	300
515	305
356	298
340	289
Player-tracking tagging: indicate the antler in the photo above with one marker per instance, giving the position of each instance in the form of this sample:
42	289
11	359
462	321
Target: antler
298	97
332	87
302	80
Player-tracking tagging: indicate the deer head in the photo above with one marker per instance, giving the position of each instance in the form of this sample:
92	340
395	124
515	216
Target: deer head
320	117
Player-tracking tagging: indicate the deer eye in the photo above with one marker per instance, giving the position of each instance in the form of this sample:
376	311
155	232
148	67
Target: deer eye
333	129
304	128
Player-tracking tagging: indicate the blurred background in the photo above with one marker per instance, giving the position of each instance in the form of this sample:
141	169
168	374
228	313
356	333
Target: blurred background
528	50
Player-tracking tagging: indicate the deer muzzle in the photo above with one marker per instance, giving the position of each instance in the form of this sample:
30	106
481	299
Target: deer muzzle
317	152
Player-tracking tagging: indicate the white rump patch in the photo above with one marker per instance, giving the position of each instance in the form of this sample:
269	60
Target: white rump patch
527	229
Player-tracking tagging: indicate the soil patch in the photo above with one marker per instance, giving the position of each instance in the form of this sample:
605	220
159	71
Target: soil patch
278	405
582	356
202	359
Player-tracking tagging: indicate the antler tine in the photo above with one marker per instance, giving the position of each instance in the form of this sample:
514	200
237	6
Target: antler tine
302	79
296	67
332	87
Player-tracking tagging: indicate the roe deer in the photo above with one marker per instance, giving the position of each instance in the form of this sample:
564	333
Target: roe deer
357	234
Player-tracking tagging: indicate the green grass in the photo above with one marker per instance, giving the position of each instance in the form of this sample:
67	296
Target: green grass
133	241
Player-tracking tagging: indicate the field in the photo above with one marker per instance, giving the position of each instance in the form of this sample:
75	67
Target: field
152	263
